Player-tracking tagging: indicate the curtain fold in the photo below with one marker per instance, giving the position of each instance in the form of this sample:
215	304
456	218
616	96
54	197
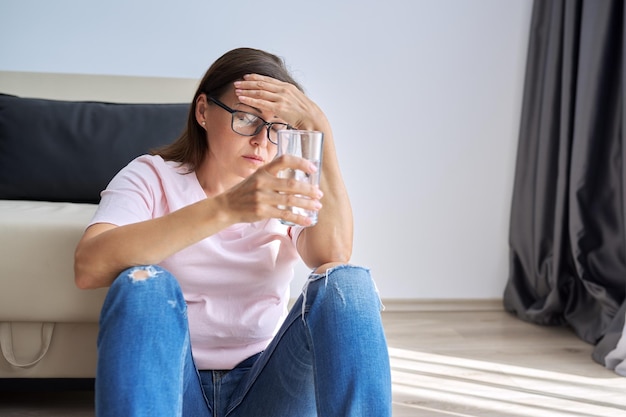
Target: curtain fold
567	233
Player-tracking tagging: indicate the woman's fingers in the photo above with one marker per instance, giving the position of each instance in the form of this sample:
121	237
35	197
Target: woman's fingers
282	100
292	217
262	88
266	195
289	171
287	161
260	83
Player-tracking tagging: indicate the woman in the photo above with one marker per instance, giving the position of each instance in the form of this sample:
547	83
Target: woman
195	322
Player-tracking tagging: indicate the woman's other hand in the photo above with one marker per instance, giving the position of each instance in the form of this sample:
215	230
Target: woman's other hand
283	100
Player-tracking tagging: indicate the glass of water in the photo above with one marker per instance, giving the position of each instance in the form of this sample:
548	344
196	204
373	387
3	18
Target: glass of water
307	144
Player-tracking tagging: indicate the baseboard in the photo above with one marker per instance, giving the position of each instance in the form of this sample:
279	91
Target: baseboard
408	305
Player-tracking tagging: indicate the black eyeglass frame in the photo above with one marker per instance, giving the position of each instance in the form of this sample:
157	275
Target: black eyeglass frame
265	124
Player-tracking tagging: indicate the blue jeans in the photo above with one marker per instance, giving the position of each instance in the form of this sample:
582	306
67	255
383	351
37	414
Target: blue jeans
329	358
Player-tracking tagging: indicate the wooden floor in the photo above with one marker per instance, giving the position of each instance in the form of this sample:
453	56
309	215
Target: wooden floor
491	364
452	363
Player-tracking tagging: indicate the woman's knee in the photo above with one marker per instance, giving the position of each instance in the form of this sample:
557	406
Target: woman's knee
150	282
349	284
144	297
343	271
144	274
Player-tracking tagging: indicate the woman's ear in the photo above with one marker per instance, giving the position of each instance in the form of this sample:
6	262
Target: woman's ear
201	110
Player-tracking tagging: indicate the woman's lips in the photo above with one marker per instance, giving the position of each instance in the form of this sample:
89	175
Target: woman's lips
254	159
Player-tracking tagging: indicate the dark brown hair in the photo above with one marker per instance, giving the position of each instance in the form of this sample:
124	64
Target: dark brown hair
191	147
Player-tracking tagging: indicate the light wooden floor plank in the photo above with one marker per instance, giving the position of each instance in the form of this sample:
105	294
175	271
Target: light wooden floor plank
488	363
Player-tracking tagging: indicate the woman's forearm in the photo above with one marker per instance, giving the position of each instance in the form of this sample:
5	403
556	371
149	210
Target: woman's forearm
106	250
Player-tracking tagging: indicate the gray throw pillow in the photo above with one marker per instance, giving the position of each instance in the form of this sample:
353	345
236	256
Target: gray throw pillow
53	150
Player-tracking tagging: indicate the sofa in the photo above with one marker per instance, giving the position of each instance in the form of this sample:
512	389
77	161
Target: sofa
55	158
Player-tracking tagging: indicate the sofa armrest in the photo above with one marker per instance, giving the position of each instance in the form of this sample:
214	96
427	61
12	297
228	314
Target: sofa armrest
37	243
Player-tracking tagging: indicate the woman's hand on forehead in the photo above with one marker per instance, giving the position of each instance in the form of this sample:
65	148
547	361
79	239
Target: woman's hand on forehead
277	99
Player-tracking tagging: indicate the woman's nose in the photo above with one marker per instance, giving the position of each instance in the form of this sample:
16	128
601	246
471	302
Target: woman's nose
261	138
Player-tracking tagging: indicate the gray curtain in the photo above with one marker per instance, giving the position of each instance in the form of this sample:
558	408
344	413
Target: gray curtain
568	231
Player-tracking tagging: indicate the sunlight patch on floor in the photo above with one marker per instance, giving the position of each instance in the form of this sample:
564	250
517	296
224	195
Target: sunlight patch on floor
448	385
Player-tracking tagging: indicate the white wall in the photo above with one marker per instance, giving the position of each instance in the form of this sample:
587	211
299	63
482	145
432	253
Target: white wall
424	97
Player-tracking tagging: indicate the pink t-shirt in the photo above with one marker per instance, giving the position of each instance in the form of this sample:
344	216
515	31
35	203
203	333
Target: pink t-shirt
236	282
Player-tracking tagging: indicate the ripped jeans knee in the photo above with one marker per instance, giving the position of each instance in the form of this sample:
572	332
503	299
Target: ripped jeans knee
144	287
347	286
142	273
322	269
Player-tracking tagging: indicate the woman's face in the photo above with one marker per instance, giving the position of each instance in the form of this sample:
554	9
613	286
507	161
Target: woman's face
232	156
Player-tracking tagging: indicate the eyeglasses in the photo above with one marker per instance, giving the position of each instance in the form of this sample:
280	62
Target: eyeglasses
248	124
